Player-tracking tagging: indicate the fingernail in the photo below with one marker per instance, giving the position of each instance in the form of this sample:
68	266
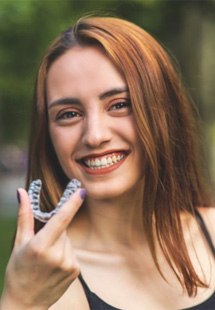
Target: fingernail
83	193
18	196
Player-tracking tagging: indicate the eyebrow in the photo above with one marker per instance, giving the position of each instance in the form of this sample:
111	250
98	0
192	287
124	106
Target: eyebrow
71	100
112	92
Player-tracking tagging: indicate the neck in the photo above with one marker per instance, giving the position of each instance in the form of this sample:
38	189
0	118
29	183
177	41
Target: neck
113	222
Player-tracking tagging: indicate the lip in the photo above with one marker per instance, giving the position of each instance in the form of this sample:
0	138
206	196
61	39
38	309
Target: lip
103	170
106	153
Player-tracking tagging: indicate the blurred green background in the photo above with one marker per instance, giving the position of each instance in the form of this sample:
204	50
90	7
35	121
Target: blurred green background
185	28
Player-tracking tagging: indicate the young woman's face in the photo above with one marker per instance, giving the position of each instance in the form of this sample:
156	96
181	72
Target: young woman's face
91	123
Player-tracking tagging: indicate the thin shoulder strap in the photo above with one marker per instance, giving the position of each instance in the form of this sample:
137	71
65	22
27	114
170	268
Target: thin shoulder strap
85	286
205	231
95	302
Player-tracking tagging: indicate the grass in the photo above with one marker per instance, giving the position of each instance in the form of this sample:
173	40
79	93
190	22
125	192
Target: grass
7	230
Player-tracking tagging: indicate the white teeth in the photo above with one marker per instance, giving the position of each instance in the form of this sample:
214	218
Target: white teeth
109	160
97	162
103	161
114	159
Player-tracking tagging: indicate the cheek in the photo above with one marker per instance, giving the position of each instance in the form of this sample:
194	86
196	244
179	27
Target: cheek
61	141
135	141
131	132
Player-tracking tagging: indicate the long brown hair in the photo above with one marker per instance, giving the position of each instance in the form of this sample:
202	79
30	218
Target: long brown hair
166	126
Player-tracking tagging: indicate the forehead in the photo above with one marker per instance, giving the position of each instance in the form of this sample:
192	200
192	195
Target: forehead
82	70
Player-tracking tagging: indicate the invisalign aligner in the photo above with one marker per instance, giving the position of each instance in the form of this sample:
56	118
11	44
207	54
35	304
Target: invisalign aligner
34	195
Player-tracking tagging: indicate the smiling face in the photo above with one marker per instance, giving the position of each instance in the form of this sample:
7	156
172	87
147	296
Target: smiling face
91	124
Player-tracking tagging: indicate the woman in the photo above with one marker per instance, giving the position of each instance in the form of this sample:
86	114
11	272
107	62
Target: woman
111	112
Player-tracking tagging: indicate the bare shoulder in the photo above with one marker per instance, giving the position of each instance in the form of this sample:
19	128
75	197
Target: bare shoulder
208	215
74	298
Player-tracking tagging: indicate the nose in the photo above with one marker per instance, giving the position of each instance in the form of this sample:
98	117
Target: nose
96	131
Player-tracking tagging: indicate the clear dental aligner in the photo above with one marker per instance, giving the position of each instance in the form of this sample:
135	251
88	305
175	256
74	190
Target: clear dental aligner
34	195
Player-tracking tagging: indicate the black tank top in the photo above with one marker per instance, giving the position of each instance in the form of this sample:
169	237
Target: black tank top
96	303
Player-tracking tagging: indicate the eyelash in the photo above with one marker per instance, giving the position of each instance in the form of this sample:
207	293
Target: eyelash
121	105
67	115
114	107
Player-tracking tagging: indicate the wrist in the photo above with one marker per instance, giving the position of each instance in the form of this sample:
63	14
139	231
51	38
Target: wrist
8	303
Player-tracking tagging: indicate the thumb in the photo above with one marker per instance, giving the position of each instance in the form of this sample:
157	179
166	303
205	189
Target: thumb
25	219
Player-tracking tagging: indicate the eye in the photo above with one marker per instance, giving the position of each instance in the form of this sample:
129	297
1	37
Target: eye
67	115
121	105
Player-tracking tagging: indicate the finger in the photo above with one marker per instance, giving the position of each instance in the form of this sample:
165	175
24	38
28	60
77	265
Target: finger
25	220
60	221
71	188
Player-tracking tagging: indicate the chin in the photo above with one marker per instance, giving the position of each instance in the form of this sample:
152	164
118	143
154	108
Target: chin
104	192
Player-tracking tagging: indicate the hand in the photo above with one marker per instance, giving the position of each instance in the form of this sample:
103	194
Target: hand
42	265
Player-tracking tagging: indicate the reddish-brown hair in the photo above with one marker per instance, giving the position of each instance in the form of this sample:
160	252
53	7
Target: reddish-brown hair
166	126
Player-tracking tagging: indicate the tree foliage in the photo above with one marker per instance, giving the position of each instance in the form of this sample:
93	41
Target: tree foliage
27	27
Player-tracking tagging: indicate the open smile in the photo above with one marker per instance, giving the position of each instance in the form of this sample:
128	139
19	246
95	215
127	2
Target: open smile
104	163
